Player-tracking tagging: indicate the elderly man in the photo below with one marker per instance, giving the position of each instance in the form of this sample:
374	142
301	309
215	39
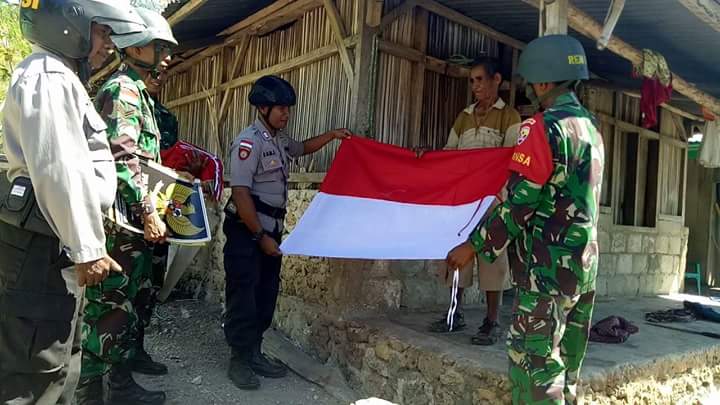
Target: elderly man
484	124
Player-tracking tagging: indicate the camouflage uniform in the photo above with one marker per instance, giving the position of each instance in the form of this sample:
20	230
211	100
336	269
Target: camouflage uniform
551	216
167	124
116	306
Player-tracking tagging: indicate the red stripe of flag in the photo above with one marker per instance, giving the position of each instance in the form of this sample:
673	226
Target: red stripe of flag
368	169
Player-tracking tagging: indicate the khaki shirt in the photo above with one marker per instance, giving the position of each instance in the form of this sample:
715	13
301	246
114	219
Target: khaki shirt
261	163
54	136
491	133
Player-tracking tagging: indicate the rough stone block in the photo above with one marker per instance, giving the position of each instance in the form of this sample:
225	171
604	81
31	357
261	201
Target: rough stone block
640	264
624	264
634	243
604	242
413	389
383	351
662	245
648	244
667	264
650	285
654	264
619	242
601	286
385	294
607	264
430	365
623	286
676	245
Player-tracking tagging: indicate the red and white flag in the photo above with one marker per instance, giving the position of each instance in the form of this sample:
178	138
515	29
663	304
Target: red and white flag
380	201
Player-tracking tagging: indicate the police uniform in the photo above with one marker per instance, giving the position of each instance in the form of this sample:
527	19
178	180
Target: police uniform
261	163
550	218
54	136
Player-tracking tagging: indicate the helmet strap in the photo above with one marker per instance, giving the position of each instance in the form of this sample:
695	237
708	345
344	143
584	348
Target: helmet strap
152	68
538	101
84	69
266	119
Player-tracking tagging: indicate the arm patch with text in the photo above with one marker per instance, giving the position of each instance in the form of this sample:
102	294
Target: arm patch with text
532	157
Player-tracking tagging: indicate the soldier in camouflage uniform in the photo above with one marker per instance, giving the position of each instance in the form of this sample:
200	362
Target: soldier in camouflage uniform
550	218
116	308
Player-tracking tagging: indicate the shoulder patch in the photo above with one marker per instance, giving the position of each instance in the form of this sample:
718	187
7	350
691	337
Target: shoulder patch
532	157
244	149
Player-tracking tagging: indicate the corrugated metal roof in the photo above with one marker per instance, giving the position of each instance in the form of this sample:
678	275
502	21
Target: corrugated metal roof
691	47
213	17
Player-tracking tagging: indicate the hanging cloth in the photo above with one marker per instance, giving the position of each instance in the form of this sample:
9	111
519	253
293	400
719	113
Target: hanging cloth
656	87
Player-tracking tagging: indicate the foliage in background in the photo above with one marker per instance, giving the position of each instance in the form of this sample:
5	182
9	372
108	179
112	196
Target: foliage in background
13	48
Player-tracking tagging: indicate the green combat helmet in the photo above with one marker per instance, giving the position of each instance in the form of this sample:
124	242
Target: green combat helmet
158	30
553	59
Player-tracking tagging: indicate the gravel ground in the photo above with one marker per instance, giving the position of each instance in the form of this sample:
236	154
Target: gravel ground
186	336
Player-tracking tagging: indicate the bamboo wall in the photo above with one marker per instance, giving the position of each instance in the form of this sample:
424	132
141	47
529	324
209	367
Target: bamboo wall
323	89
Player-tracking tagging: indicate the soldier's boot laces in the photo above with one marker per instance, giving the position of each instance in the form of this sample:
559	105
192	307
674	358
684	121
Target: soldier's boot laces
265	367
240	371
89	392
144	364
125	391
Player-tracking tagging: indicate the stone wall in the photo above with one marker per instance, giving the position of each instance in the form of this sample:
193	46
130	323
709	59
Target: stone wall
640	261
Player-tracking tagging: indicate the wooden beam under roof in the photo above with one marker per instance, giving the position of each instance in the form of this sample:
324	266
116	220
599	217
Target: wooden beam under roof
587	26
708	11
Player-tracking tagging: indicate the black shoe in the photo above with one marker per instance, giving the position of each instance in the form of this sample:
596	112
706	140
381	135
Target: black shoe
241	373
441	325
265	367
487	334
124	390
90	392
144	364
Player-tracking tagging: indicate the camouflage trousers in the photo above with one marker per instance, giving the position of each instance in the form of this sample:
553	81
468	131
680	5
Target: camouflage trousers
546	345
115	307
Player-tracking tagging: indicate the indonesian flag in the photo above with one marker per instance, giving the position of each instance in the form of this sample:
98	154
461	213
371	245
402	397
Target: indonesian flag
380	201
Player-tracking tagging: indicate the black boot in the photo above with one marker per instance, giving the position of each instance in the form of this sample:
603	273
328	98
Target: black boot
240	371
124	390
142	362
265	367
89	392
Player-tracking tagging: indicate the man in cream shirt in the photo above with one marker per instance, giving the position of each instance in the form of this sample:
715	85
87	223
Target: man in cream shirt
488	123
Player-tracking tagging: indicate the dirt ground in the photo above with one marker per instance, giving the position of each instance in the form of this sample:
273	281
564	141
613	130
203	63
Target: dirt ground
186	335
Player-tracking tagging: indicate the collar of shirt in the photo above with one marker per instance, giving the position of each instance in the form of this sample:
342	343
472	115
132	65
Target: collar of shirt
565	99
68	63
260	126
135	76
499	104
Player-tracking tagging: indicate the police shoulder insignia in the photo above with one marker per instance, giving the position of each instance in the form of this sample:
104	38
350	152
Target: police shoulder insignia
266	135
244	149
532	157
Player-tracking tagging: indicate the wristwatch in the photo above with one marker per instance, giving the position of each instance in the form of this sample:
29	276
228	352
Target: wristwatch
257	236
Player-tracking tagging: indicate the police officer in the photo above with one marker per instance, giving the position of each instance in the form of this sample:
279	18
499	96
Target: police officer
61	178
259	164
550	217
118	309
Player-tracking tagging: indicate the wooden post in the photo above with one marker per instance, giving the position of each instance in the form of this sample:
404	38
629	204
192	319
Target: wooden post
553	17
234	71
360	104
513	77
418	77
339	32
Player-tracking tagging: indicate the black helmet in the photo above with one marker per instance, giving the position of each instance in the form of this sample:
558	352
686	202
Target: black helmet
269	91
64	26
